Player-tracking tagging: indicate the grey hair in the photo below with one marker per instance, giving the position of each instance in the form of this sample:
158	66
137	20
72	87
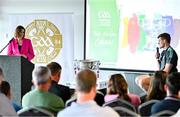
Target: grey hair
41	74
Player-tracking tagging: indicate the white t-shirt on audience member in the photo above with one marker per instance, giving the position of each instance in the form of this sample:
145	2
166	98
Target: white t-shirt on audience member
6	109
88	109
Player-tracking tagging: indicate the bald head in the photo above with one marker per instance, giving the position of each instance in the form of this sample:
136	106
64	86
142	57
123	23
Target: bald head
85	81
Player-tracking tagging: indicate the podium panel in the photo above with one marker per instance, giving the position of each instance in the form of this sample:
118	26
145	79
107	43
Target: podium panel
18	72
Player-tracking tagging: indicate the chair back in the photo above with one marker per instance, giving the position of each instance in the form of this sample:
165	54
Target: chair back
163	113
99	99
143	97
121	103
124	112
34	111
69	102
145	108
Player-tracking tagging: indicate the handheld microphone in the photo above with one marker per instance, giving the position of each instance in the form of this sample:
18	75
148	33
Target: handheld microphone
157	53
157	49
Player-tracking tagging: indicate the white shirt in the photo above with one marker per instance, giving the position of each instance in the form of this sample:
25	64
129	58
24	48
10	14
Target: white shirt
6	109
88	109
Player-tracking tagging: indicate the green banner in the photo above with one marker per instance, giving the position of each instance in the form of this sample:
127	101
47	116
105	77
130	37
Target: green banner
104	30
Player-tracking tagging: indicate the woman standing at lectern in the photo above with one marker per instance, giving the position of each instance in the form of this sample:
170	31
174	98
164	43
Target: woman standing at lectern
20	46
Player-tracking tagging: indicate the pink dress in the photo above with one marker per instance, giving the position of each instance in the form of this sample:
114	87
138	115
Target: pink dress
135	99
26	48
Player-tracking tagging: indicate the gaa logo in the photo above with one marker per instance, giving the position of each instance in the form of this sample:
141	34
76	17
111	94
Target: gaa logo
46	40
104	14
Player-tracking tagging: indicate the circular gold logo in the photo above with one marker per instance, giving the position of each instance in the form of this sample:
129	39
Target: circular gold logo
46	40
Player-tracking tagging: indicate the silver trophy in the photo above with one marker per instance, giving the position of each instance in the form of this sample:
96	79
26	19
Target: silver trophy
87	64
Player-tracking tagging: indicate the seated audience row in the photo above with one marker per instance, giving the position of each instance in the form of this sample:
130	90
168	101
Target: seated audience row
51	96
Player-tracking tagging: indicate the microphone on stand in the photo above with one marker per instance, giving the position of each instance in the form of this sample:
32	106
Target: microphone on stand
11	40
6	45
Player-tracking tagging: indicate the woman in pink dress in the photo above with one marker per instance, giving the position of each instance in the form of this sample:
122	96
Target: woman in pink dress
20	46
118	88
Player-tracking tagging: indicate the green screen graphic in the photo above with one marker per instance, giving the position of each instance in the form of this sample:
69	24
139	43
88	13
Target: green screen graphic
123	33
104	28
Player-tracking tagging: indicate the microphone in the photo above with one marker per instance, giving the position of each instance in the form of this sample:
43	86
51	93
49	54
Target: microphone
157	49
11	40
157	53
7	45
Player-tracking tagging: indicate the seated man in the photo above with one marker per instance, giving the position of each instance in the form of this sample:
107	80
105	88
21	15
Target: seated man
40	97
85	106
58	89
172	100
6	108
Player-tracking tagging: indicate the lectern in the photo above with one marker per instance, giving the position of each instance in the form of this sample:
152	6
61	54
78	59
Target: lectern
18	72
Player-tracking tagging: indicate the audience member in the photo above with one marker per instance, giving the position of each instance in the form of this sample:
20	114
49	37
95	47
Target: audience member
40	97
156	89
85	106
118	88
6	108
172	100
58	89
6	90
